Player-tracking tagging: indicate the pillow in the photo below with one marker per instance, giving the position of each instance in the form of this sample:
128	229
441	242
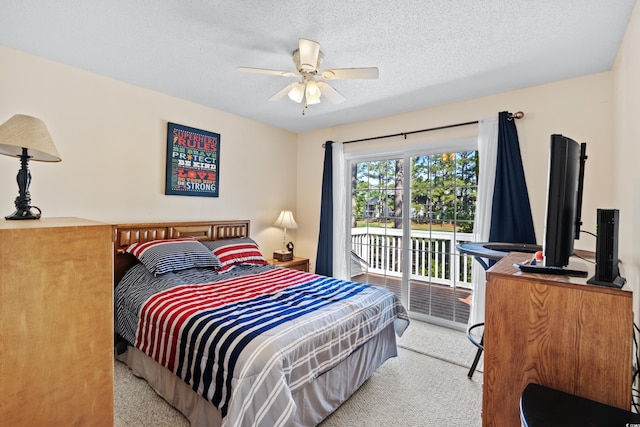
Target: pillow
163	256
235	252
215	244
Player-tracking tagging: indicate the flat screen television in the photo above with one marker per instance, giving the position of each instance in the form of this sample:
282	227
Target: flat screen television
564	200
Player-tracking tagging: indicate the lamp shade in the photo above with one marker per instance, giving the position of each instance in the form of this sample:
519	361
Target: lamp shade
22	131
285	220
312	92
296	94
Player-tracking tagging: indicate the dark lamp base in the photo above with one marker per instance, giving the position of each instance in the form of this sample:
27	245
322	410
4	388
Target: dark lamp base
23	201
25	214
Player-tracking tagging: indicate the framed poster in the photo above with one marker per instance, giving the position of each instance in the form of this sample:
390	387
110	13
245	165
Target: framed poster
193	161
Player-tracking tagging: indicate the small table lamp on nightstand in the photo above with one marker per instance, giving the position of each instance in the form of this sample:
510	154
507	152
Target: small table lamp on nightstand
285	220
26	137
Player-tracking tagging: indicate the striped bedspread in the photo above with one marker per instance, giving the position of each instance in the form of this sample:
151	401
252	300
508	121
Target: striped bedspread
248	341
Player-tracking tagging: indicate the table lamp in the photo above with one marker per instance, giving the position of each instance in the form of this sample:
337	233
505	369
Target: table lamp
285	220
26	137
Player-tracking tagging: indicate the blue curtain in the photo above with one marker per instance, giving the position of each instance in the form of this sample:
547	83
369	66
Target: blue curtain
511	220
324	256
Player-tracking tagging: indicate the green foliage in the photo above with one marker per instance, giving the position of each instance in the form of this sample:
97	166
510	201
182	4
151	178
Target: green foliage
443	190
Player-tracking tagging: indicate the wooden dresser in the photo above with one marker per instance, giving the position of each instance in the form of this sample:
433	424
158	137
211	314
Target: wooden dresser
56	323
554	331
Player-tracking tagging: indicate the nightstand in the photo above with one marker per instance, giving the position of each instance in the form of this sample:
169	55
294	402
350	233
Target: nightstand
296	263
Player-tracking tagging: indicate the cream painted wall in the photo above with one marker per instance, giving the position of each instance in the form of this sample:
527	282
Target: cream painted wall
309	180
580	108
112	140
626	140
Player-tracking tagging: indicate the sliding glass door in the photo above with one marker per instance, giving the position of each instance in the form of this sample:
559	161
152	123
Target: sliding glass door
408	213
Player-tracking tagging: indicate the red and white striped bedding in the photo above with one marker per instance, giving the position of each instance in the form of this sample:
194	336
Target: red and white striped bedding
247	342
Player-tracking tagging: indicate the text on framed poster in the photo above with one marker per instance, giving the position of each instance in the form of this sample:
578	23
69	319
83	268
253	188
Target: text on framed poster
193	161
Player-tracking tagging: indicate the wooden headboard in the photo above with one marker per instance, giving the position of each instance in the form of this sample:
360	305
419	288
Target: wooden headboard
127	234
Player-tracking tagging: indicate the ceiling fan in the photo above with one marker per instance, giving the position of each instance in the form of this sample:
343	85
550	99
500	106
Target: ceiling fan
313	83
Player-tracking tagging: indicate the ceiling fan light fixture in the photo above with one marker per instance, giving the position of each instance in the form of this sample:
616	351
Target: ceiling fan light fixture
296	94
307	59
313	92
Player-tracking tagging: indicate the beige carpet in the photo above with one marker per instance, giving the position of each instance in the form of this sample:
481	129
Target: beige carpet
440	343
417	388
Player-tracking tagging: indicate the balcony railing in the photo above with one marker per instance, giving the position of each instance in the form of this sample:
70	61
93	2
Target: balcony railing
434	257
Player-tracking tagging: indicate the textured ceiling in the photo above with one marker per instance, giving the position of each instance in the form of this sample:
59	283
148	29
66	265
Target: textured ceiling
429	52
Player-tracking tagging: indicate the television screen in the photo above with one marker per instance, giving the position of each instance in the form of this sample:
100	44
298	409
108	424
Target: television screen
564	200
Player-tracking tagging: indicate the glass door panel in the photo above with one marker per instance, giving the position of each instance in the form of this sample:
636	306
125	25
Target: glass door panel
420	263
376	221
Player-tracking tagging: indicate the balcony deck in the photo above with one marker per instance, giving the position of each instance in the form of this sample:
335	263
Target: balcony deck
443	302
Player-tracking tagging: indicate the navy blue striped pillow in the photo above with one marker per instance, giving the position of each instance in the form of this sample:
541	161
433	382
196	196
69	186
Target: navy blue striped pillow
163	256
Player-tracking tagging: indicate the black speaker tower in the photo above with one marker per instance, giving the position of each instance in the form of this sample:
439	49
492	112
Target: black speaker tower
607	273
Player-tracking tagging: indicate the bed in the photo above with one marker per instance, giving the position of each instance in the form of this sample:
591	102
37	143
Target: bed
230	340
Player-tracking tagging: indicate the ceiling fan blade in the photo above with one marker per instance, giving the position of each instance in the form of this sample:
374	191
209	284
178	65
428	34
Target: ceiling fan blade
330	93
309	52
267	71
351	73
282	92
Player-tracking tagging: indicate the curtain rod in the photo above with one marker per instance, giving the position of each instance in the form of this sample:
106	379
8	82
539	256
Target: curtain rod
512	116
